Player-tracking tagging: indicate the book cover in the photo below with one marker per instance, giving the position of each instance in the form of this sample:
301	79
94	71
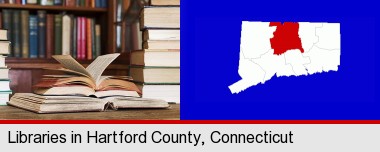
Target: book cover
83	38
7	24
41	33
66	31
74	37
33	36
31	1
16	39
58	2
50	34
93	47
88	39
25	33
58	34
97	40
79	37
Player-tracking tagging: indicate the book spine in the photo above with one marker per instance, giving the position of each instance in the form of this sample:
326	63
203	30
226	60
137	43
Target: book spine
58	34
104	3
57	2
33	36
31	1
18	1
83	40
70	3
66	24
74	37
93	39
41	33
79	37
46	2
97	40
16	33
25	33
88	39
7	23
49	35
23	2
98	3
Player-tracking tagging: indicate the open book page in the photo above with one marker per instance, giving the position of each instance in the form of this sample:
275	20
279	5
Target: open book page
68	71
97	67
70	63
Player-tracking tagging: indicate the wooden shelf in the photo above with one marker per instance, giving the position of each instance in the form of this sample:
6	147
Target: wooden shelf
54	8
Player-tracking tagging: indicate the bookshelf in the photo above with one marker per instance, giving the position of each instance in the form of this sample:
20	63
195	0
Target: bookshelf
27	71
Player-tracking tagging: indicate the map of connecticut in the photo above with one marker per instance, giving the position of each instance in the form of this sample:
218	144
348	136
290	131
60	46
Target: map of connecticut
269	49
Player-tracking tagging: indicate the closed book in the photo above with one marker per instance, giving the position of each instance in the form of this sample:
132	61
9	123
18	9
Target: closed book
104	3
88	39
162	44
165	2
161	34
58	2
7	23
93	47
168	58
160	17
98	3
83	38
1	20
3	35
169	93
46	2
4	85
16	39
155	75
2	62
18	1
50	35
66	39
41	33
4	73
70	2
4	47
25	33
74	37
31	1
58	34
97	40
33	36
79	38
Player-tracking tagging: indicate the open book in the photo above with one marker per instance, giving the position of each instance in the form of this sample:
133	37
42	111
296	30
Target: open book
57	104
86	81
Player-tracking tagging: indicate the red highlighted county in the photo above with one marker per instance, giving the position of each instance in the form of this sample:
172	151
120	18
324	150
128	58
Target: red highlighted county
285	37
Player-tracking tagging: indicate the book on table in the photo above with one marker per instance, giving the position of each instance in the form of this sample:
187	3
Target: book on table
59	104
86	81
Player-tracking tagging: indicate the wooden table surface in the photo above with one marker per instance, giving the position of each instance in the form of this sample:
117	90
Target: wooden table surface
9	113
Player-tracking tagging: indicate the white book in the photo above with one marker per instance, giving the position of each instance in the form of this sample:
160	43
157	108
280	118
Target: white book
66	30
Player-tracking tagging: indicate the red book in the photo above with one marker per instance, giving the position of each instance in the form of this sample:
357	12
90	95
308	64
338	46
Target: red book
83	35
49	35
88	39
18	1
70	2
78	37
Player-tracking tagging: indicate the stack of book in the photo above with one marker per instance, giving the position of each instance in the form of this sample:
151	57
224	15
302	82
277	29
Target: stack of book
77	3
156	68
5	90
83	89
42	35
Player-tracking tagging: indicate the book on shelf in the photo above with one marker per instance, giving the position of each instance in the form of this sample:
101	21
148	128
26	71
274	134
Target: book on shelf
43	35
59	104
155	74
160	17
160	57
24	32
33	36
77	3
86	81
